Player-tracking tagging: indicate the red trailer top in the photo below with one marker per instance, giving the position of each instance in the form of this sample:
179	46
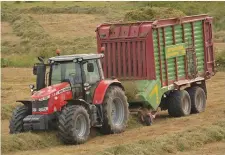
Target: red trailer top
129	47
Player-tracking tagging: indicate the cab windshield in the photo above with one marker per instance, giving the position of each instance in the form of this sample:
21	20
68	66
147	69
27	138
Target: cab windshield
65	71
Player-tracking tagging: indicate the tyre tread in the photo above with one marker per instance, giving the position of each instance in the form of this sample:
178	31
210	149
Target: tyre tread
16	122
107	128
66	125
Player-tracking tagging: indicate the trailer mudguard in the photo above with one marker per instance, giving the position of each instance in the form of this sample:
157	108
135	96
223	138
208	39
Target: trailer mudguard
150	92
101	89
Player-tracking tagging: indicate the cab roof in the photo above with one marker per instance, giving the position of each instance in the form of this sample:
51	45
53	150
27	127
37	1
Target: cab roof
76	56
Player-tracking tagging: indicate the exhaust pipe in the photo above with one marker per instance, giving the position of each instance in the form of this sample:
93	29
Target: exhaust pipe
40	81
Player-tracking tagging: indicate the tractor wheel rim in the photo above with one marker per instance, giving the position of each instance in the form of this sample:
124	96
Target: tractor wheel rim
80	125
117	112
186	105
199	101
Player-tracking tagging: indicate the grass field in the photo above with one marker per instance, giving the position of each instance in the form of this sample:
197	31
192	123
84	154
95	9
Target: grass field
31	29
15	83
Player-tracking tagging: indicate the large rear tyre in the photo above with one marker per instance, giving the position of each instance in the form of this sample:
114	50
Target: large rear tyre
198	99
179	103
115	111
16	122
74	125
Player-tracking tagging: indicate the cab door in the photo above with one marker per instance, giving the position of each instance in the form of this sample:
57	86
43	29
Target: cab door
91	79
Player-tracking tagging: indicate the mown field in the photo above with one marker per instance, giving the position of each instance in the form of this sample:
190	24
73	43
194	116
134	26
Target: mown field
183	135
31	29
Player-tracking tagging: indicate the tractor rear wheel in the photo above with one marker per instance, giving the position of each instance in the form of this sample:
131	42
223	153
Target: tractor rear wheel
74	125
179	103
115	111
16	122
198	99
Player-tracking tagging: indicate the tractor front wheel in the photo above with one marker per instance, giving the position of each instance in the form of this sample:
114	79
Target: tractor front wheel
16	122
74	125
115	111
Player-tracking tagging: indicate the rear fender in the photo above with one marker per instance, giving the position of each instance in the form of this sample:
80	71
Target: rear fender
101	89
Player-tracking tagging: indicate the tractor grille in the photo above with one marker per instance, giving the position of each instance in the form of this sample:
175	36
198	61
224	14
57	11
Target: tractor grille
39	106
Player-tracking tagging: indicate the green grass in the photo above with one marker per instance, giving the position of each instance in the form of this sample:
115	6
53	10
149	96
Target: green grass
134	122
152	13
6	110
183	141
35	41
28	141
220	60
19	60
172	143
219	36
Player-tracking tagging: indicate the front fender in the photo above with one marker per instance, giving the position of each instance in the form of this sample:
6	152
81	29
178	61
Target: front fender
27	103
80	102
77	102
101	89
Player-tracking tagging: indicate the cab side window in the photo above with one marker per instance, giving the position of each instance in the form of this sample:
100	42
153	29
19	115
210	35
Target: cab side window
92	77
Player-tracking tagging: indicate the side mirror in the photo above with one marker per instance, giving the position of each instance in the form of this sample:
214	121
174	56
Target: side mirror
90	67
35	70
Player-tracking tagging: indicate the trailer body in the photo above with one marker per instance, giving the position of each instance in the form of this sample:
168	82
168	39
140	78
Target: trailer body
158	56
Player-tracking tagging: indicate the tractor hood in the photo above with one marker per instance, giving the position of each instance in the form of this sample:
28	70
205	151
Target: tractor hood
50	91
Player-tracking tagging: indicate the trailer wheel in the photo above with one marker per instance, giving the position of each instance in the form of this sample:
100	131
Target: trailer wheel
115	111
198	99
16	122
179	103
74	125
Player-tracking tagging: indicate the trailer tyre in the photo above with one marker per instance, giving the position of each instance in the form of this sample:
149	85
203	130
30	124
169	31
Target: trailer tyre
115	111
198	99
16	122
179	103
74	125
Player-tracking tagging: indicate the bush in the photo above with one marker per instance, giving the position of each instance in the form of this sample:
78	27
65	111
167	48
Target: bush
220	60
219	36
152	13
5	62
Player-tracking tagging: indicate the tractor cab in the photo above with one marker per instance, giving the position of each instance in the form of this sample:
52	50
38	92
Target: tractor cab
81	71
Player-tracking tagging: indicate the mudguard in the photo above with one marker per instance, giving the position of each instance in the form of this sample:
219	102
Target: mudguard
79	102
101	89
27	103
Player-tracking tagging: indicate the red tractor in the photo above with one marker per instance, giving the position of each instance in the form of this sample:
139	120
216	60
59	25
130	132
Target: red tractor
72	95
